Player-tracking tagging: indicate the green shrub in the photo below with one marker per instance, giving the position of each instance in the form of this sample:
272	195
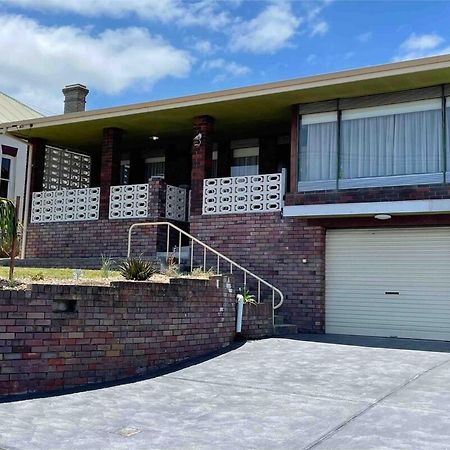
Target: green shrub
138	269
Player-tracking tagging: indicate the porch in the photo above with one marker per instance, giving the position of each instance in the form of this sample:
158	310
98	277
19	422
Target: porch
84	200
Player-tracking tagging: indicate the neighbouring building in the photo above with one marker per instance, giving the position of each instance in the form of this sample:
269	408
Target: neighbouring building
335	188
14	151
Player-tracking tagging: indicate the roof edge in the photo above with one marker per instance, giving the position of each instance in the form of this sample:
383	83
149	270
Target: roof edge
340	77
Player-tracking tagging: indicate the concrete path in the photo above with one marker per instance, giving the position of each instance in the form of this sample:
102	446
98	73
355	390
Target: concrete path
270	394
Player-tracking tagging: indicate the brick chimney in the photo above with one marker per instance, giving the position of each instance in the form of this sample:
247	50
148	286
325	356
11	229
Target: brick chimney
75	98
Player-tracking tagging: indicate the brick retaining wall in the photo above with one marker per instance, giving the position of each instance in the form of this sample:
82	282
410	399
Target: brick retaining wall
112	332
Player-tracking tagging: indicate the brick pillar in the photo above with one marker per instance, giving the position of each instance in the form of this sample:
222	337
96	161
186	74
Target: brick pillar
37	164
110	167
201	160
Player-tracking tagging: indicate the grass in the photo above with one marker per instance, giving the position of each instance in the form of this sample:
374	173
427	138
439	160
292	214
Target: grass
54	274
24	275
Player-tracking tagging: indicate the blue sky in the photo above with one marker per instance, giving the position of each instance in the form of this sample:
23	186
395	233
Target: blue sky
129	51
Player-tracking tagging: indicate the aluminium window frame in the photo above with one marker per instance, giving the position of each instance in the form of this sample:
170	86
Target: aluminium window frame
381	181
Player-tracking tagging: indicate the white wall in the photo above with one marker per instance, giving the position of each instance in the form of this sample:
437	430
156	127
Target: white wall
19	169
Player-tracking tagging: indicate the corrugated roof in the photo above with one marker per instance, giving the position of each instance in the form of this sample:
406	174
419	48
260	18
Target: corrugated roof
11	110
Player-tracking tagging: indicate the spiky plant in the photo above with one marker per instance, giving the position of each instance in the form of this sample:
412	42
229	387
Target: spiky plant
8	231
248	298
138	269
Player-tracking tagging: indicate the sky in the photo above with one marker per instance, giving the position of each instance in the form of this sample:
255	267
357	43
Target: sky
130	51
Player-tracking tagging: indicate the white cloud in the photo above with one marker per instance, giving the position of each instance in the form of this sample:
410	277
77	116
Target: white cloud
268	32
203	46
319	28
422	42
44	59
207	13
226	69
421	46
364	37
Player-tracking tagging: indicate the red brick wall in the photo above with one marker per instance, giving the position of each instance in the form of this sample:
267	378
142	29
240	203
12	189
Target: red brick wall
88	239
379	194
201	160
273	248
116	332
110	166
257	321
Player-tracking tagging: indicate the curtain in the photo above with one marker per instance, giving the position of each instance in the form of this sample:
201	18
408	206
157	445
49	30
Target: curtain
245	165
396	144
318	154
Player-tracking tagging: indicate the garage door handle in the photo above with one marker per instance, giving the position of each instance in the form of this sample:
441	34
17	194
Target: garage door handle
392	293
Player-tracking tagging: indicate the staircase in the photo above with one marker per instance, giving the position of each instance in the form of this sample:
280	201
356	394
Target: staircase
281	328
220	263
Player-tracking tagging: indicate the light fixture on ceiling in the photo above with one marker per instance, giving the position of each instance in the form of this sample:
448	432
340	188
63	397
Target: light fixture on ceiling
383	216
154	138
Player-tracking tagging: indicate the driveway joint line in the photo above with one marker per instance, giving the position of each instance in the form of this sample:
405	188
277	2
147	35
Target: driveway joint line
276	391
357	415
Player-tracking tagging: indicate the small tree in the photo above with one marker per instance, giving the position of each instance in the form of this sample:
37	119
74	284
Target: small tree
9	231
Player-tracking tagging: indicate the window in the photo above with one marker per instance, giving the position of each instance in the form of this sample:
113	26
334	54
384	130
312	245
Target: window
402	139
155	167
214	167
245	161
318	151
124	171
390	145
447	110
6	177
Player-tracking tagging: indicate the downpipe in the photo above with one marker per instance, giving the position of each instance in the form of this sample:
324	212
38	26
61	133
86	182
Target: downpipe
240	310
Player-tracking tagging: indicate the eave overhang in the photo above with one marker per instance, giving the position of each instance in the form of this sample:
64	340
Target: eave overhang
238	112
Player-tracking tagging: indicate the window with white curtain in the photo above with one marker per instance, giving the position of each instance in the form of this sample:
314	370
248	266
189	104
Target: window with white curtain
447	125
245	161
318	151
391	141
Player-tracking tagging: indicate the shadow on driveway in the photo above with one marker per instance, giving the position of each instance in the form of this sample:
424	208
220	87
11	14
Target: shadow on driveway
375	342
152	373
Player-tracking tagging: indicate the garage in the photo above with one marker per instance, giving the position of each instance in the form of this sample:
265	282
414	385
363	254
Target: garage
388	282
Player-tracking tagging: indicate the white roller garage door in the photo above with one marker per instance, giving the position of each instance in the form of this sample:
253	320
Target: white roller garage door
388	282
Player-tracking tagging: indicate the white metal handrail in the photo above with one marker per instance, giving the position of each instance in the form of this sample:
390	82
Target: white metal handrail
210	249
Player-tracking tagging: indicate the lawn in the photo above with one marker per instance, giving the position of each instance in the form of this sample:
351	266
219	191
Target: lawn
38	273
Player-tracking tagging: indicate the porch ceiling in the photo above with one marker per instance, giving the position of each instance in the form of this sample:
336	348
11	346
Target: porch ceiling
238	112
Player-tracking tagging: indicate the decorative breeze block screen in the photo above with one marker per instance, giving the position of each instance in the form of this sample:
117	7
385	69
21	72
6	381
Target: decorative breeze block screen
176	203
65	170
246	194
129	201
65	205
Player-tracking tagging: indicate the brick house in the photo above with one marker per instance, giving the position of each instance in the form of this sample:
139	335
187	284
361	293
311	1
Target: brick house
332	187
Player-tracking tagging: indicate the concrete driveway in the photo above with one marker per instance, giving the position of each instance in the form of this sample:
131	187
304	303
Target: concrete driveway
270	394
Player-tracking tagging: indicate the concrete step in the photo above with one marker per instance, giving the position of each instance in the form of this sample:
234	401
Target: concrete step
284	329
